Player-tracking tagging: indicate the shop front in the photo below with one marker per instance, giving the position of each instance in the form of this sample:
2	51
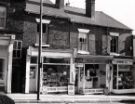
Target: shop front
123	76
56	74
6	50
92	74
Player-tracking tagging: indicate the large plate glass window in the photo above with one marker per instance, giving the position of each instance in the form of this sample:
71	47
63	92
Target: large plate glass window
123	77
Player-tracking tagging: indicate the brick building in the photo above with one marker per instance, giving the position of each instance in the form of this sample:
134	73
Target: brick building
84	49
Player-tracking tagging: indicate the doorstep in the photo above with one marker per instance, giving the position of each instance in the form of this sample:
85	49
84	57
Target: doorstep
31	98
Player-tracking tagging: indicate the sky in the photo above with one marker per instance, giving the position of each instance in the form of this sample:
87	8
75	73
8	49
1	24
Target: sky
121	10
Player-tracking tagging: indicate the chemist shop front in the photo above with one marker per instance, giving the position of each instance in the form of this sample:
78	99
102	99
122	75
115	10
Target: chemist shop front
123	76
92	74
56	74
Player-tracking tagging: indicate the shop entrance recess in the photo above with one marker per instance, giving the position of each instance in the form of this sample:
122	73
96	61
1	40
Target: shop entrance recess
90	78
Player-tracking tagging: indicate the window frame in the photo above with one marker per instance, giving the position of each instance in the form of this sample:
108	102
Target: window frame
83	41
114	37
4	17
45	30
16	49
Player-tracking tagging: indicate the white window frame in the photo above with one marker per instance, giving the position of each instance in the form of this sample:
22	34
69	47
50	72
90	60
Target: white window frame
114	34
3	17
83	33
44	22
16	49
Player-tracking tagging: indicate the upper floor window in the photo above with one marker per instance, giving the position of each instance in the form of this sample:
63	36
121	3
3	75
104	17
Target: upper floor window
83	40
45	31
2	17
114	42
44	28
17	49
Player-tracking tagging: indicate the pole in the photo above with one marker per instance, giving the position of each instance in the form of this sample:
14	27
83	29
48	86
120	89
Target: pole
39	52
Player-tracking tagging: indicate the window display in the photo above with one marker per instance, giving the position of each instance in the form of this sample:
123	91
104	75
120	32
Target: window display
122	77
55	75
91	75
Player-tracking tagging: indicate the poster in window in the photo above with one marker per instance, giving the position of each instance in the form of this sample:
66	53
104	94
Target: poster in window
32	73
81	73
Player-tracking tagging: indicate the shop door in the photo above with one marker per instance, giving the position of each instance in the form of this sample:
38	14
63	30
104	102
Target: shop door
33	78
1	69
1	75
79	83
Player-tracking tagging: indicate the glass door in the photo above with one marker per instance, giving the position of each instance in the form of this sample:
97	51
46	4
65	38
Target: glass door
1	70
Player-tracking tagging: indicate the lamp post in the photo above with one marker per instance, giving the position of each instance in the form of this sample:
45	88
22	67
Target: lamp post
40	51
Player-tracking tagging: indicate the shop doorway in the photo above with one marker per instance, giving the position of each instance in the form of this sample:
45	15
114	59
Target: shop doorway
2	75
90	78
1	69
33	79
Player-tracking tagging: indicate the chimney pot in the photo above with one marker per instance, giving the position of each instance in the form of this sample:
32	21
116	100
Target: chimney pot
59	4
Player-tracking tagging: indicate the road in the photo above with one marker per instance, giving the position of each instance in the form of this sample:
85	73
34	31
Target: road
83	103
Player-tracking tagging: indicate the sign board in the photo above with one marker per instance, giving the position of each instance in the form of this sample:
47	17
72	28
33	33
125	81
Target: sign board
71	89
123	61
91	60
47	89
93	91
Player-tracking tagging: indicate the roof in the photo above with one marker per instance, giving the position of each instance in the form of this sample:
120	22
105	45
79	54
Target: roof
77	15
49	11
44	1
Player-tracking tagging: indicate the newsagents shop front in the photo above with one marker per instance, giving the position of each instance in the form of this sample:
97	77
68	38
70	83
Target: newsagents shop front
57	74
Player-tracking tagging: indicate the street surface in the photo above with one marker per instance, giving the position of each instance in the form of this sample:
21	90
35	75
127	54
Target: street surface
80	103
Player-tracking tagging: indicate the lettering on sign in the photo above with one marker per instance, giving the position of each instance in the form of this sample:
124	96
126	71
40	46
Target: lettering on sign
90	60
129	62
54	89
93	91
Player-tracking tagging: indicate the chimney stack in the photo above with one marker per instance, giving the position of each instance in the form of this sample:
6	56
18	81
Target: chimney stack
59	4
90	8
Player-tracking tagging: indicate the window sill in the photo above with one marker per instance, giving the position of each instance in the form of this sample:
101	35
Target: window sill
43	45
83	52
114	54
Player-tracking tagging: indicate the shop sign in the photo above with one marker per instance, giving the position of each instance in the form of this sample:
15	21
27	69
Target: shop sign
54	89
71	89
90	60
93	91
122	61
79	65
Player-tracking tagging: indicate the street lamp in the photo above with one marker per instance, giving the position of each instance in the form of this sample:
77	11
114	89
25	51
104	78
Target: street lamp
40	50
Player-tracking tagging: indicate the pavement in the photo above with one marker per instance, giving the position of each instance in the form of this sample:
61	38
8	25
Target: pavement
67	99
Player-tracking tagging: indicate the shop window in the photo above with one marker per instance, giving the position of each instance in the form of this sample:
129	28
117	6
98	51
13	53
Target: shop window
17	49
114	43
122	77
1	69
83	40
2	17
55	75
